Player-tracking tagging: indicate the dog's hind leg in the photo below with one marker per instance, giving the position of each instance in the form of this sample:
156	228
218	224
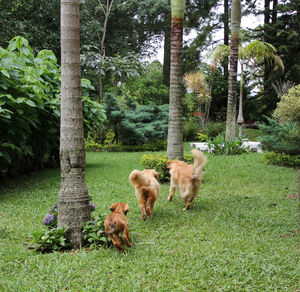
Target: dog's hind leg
171	192
150	206
118	243
143	209
126	237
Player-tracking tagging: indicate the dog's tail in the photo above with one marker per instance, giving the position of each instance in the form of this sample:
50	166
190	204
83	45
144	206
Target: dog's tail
137	179
199	163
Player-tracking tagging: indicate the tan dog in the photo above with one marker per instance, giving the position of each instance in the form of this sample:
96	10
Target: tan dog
115	223
146	189
186	177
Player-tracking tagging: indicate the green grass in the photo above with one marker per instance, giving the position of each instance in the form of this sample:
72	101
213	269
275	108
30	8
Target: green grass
240	234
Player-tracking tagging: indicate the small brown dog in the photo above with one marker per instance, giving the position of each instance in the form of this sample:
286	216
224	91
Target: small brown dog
146	189
186	177
115	223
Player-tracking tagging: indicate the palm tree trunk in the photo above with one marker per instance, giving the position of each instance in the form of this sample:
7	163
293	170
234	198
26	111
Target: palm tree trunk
167	51
73	207
175	138
232	90
240	119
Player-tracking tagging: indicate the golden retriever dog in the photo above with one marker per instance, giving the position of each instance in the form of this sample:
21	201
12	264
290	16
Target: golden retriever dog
115	223
186	177
146	189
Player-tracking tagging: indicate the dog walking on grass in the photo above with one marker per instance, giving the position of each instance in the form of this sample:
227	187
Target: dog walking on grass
186	177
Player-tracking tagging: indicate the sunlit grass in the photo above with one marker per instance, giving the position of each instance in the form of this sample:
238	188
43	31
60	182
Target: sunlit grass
240	234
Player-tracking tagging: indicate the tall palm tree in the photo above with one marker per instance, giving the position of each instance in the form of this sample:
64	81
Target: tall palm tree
256	53
73	206
233	61
175	137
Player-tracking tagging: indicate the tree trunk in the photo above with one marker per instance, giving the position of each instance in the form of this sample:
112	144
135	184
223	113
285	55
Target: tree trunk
175	137
167	50
232	90
226	36
240	119
73	206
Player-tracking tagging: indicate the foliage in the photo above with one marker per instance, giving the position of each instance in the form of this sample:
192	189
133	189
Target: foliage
282	159
219	146
281	138
149	87
51	239
213	129
288	109
155	146
197	83
158	162
54	238
94	234
137	125
190	130
202	137
30	108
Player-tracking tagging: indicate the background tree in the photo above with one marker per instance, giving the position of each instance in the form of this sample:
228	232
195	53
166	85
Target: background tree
175	139
73	207
232	90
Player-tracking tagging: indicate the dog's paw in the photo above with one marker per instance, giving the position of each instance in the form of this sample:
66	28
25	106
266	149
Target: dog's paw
170	198
129	244
148	212
144	217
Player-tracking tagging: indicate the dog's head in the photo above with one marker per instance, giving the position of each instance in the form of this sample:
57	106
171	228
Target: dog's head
120	207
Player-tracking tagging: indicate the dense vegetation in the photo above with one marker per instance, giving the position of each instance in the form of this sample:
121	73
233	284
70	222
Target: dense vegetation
30	108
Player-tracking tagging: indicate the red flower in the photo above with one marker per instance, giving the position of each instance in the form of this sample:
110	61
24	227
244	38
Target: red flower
201	131
196	114
203	114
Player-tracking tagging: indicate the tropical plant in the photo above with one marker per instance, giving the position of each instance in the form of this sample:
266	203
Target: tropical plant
73	202
175	140
198	84
254	54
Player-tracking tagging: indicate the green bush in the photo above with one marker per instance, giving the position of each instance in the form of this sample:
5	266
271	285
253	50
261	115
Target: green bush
281	138
213	129
95	147
159	163
219	146
30	108
282	159
190	130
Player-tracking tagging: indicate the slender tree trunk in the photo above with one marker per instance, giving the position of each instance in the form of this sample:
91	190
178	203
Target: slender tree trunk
226	36
240	119
175	138
167	50
232	90
73	207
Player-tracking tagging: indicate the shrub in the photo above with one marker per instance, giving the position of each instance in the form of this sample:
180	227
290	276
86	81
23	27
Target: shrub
282	159
288	109
30	108
190	130
159	163
95	147
281	138
213	129
219	146
54	238
202	137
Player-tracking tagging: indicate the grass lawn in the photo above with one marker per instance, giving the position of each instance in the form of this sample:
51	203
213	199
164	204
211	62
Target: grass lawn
239	235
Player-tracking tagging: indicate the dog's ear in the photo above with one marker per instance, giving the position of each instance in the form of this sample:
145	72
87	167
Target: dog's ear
156	175
113	207
126	209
